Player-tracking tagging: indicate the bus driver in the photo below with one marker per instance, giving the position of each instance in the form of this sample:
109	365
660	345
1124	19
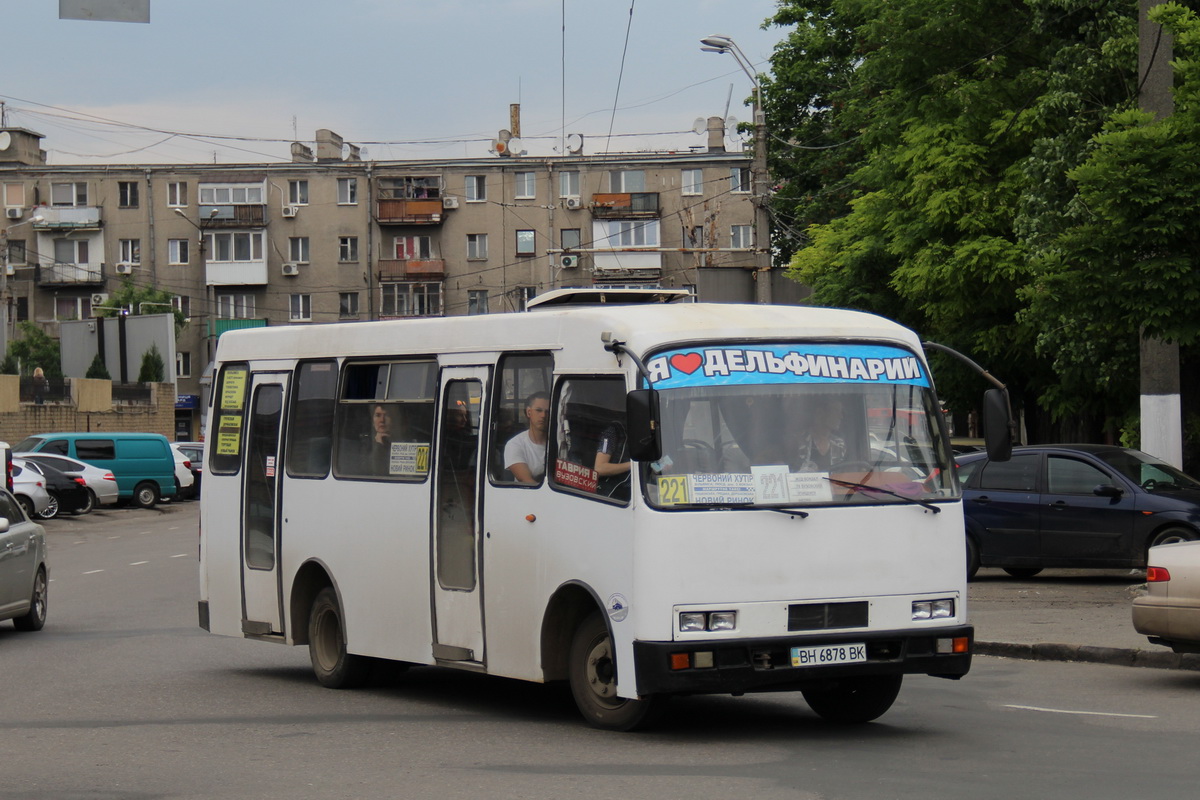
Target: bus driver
525	453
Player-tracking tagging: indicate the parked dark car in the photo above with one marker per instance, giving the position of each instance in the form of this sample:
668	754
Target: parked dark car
68	491
1073	505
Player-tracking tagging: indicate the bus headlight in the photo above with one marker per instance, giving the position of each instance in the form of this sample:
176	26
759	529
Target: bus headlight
722	621
692	621
933	609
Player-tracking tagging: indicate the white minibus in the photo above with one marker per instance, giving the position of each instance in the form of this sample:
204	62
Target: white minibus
643	497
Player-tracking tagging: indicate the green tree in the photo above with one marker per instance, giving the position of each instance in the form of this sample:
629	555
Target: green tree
142	300
153	370
98	370
36	349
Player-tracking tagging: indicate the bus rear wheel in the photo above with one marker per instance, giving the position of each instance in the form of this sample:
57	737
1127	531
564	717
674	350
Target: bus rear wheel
593	675
850	701
333	666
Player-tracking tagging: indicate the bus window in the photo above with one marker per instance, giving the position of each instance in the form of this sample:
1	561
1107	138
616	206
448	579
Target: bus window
310	431
457	473
232	386
384	420
590	439
521	377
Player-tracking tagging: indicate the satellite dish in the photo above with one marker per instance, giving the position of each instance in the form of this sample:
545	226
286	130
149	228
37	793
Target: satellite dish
514	147
5	140
499	147
699	126
362	153
575	143
731	123
345	150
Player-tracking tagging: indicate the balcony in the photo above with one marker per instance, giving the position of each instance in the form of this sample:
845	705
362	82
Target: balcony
68	275
409	212
626	266
396	269
236	273
627	205
231	216
62	219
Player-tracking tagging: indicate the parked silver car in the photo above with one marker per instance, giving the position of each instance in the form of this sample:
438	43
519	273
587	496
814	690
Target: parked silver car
29	486
101	482
24	574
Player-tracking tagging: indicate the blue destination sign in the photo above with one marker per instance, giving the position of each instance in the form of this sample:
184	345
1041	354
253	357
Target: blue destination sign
789	363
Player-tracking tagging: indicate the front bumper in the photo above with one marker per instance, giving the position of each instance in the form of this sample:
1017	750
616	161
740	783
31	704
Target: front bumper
764	665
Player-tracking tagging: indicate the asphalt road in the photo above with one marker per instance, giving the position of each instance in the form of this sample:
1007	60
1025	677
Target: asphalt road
122	696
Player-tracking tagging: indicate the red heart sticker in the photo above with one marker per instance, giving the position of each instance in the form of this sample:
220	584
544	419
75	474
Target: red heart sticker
686	362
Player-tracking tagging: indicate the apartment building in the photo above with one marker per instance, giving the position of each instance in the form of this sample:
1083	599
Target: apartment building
332	237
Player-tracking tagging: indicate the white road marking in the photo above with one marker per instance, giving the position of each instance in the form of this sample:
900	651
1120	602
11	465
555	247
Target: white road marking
115	537
93	571
173	528
181	555
138	563
1082	713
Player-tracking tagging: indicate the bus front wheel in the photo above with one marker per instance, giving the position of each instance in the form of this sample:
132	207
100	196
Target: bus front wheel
333	666
593	677
849	701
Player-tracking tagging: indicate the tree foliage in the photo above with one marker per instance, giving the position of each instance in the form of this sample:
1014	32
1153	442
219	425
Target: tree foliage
97	369
153	369
142	300
36	349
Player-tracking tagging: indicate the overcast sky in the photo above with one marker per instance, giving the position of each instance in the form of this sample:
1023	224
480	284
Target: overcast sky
405	79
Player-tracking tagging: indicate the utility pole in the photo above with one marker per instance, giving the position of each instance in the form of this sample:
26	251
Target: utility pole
1161	407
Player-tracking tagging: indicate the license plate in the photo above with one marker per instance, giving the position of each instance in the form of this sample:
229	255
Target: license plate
825	655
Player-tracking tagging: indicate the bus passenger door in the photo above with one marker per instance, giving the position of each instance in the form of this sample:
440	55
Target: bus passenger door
261	599
457	591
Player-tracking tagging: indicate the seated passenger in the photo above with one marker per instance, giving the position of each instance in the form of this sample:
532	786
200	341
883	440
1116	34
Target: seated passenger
525	453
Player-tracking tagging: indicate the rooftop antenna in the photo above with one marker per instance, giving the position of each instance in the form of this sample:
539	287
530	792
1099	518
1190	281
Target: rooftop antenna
728	100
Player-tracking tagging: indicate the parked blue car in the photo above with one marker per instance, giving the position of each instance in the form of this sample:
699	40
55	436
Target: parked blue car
142	463
1073	505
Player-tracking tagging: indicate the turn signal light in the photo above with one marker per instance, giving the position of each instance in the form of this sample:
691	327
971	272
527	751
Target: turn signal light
1157	575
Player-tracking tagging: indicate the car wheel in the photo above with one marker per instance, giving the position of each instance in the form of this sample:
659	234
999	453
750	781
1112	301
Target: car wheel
51	510
1022	572
89	505
1171	536
972	558
592	669
850	701
27	506
36	618
145	495
333	666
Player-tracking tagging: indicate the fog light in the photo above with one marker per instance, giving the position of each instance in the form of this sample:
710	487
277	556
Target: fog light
692	621
702	660
722	621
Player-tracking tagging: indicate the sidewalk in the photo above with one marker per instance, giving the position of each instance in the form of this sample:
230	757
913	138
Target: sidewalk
1065	615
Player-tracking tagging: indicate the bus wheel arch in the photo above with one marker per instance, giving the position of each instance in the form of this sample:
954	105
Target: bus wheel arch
565	612
310	580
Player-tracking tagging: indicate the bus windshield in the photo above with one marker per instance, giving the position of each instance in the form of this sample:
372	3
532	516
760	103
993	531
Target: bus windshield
796	425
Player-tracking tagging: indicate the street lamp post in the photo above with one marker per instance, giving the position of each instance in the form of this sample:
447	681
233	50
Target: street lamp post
4	281
208	287
760	177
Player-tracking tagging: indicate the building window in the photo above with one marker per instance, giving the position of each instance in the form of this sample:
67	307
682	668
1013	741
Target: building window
570	238
410	299
183	365
14	195
693	181
347	248
630	180
300	308
568	183
16	251
298	193
626	233
739	179
476	188
234	247
347	191
741	237
347	305
68	308
127	194
70	251
131	251
477	301
22	309
298	249
177	194
231	194
69	194
477	246
410	187
525	186
526	243
414	248
177	251
235	306
183	304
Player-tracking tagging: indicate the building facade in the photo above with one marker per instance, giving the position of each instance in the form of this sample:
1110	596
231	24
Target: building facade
331	237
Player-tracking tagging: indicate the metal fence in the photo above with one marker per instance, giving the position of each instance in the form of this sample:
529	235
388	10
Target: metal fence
58	390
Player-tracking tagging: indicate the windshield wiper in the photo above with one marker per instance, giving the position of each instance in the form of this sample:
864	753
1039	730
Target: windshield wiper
750	506
865	488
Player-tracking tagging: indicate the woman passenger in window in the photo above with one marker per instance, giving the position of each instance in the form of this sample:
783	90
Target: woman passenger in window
823	447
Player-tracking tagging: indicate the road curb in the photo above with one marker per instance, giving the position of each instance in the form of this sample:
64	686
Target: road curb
1091	654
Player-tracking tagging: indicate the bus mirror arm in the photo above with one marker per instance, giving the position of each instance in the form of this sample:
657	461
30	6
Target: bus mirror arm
641	408
997	408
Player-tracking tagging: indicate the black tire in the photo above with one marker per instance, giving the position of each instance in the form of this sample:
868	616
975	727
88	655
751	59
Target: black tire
1171	535
27	506
1023	572
592	670
51	510
972	558
38	602
88	506
145	495
852	701
333	666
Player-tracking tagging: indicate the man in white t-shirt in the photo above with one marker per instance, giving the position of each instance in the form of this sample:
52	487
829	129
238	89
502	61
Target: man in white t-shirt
525	453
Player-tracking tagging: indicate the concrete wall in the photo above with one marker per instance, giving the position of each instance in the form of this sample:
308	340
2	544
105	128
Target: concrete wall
28	419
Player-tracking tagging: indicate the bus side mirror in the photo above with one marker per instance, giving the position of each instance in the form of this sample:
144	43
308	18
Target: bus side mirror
996	428
641	419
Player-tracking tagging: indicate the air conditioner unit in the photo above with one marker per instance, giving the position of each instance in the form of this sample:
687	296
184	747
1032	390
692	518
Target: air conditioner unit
289	211
124	269
10	270
291	270
568	261
449	202
99	298
574	203
13	213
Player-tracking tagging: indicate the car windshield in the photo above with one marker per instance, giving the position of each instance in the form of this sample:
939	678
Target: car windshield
796	425
28	445
1149	472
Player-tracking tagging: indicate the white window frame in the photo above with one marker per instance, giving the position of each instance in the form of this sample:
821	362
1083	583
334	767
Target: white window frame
477	246
128	194
82	307
348	305
524	185
220	243
300	308
477	301
568	183
17	254
183	364
628	180
741	237
177	194
130	251
620	233
423	297
691	181
231	194
347	191
183	304
347	249
78	190
235	306
298	249
298	192
79	247
178	252
740	180
476	188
